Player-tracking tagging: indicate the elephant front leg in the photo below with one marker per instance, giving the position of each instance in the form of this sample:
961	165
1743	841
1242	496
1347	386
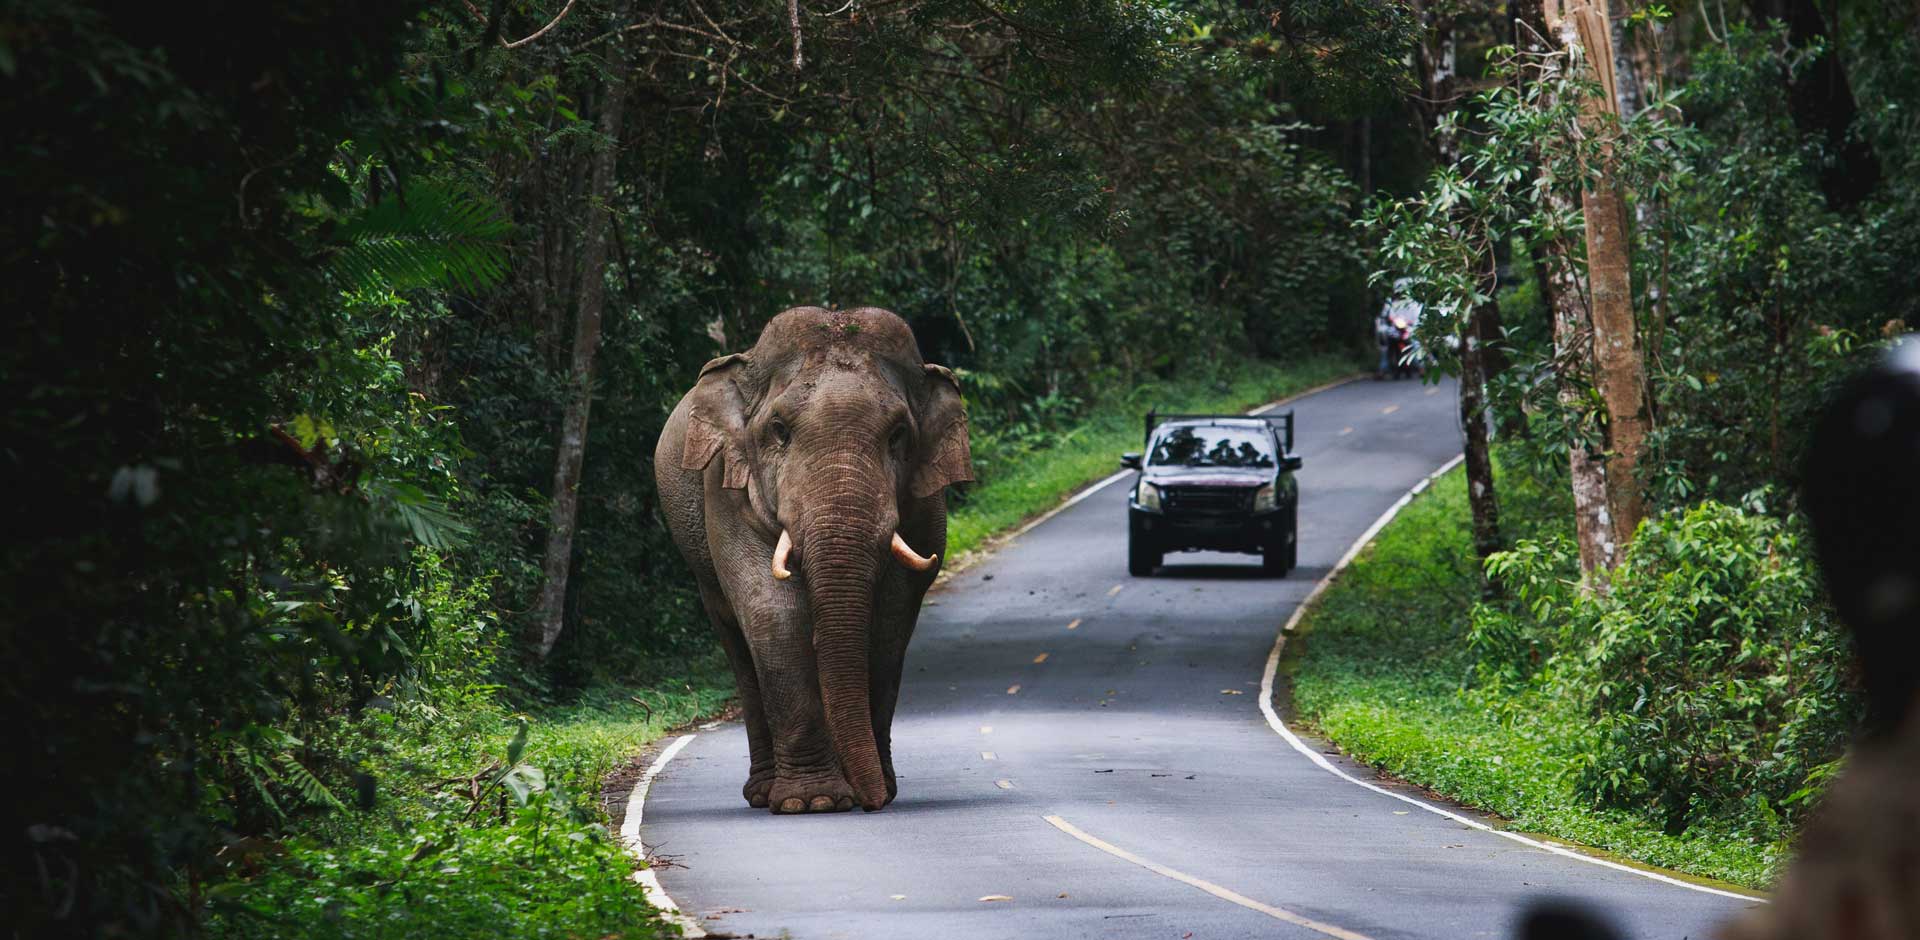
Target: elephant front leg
758	790
807	777
883	695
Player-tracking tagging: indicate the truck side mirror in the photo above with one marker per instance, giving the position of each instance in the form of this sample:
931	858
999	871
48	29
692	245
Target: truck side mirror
1289	463
1129	461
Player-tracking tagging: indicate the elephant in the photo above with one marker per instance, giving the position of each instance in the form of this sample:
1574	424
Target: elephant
804	480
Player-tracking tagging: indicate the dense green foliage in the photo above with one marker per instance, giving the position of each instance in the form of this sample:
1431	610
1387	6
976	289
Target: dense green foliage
295	293
1567	722
1688	706
1712	674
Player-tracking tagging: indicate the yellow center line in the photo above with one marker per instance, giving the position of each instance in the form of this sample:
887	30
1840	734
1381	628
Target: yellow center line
1390	409
1013	689
1003	784
1277	913
1037	660
1075	623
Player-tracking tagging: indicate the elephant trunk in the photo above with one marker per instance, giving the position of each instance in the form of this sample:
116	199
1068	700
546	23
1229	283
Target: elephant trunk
841	548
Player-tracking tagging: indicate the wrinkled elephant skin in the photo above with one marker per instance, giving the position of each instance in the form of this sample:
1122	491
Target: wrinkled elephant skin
804	480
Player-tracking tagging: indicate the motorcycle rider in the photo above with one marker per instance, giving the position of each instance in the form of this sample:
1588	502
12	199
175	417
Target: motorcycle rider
1394	328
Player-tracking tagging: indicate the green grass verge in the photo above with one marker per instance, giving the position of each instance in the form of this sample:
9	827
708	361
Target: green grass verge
1022	485
1382	668
451	849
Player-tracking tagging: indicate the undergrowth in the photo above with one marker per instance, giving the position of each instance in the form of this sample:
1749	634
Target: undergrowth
1389	667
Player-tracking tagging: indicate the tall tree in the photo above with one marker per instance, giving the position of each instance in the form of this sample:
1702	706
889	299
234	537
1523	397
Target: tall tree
1561	288
549	612
1582	27
1436	60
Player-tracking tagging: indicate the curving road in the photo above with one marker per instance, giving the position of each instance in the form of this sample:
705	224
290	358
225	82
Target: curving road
1089	747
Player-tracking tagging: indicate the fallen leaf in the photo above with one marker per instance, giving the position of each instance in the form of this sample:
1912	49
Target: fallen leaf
996	897
1107	771
1231	692
897	897
1187	936
1061	895
1401	812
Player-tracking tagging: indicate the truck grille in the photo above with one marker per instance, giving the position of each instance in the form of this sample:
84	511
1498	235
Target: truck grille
1208	499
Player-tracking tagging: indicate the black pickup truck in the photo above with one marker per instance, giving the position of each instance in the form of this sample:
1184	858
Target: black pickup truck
1216	482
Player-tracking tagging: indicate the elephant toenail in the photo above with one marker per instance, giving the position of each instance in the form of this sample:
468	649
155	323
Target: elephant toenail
846	803
757	801
821	804
792	804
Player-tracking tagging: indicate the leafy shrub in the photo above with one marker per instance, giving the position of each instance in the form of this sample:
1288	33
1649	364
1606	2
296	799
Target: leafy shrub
1713	672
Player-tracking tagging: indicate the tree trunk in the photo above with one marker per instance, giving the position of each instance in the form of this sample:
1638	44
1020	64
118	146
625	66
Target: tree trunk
1435	60
1479	458
1560	289
1573	363
1583	25
1821	100
549	612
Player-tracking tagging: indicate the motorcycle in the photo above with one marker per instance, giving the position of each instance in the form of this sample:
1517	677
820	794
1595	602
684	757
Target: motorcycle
1402	356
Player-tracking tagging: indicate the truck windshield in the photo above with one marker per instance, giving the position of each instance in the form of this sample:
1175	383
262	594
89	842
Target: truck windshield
1213	447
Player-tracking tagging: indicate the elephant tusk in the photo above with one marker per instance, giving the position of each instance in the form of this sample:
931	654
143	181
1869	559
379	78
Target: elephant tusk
907	556
780	552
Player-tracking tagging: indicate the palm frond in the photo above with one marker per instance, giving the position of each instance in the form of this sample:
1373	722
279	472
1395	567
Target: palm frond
428	520
433	235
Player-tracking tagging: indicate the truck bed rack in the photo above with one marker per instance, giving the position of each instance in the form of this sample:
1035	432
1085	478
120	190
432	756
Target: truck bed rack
1283	420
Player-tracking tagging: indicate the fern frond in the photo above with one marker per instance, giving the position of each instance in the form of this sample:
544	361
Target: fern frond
429	521
253	765
307	785
434	235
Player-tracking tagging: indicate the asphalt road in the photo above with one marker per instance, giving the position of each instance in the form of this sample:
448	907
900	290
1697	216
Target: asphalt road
1064	726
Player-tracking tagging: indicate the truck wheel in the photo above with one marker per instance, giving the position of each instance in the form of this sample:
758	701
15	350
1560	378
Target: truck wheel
1283	553
1274	559
1142	556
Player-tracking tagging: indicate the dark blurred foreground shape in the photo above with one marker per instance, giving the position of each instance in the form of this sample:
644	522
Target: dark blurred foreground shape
1857	870
1856	874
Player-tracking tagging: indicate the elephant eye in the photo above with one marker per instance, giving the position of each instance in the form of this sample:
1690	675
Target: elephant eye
780	432
898	440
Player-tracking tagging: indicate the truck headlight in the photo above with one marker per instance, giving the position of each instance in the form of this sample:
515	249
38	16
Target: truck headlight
1263	499
1147	496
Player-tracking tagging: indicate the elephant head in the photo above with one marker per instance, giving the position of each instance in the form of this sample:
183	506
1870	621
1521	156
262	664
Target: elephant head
836	430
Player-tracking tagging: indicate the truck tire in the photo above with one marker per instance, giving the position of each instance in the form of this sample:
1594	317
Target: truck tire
1142	555
1283	553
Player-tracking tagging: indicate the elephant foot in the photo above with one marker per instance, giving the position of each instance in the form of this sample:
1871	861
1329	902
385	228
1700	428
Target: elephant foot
893	786
814	793
759	788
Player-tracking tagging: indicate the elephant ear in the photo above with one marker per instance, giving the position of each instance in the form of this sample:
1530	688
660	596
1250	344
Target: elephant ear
946	456
717	421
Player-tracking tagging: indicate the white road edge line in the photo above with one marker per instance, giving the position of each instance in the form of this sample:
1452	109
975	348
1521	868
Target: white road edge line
1224	894
649	880
1280	727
